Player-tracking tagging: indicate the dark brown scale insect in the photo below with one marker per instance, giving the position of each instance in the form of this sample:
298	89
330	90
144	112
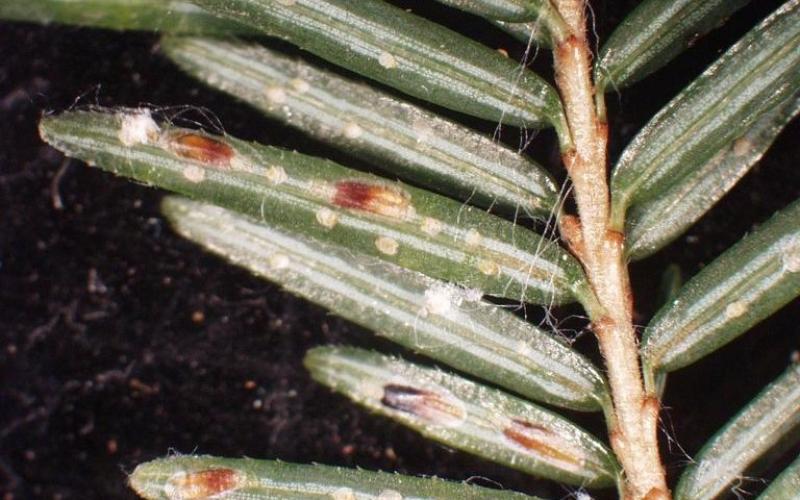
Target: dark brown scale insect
378	198
427	405
202	148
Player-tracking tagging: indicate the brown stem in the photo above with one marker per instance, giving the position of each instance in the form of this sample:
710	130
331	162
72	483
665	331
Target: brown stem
633	424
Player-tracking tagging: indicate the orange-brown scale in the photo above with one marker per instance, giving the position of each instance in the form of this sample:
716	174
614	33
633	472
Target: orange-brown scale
540	441
570	227
424	404
376	198
603	326
617	239
202	148
204	484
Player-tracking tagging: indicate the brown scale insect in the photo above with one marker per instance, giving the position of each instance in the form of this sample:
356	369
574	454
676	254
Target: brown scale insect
204	484
377	198
427	405
202	148
541	441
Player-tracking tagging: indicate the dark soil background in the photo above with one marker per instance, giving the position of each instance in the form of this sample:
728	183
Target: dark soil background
121	342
